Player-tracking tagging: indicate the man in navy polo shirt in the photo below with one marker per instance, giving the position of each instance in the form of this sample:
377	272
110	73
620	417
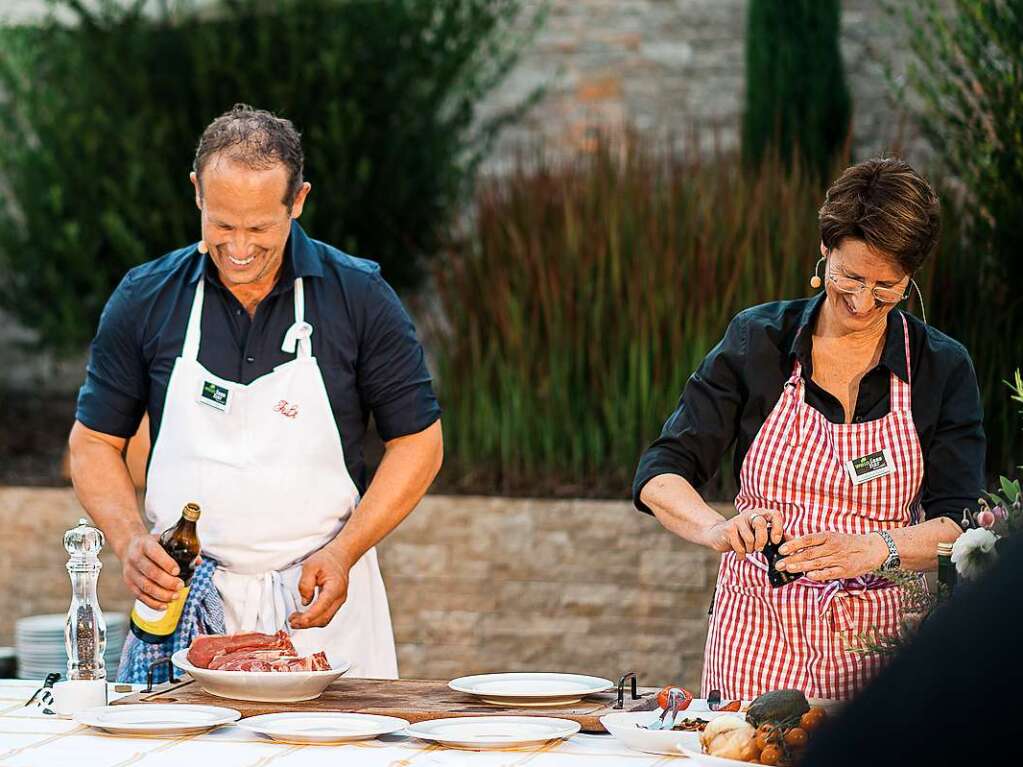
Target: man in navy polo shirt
259	355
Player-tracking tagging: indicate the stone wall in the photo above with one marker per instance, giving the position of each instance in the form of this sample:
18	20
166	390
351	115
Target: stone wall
476	585
666	66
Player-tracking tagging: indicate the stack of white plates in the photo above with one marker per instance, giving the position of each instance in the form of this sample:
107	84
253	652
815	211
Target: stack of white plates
40	643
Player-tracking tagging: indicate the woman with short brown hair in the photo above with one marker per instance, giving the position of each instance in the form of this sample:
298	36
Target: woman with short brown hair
859	441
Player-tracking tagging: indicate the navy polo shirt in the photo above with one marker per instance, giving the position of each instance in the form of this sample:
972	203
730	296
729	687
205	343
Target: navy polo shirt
364	342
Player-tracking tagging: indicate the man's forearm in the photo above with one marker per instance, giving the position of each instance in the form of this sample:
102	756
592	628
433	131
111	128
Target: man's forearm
408	467
104	487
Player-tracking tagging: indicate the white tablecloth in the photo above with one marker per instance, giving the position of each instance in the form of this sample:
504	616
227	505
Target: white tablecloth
29	737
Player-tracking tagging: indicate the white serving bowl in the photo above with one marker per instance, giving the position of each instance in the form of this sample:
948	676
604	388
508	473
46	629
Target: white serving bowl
266	686
623	725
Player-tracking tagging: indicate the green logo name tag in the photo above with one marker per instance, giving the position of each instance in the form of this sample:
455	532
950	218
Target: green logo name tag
215	396
871	466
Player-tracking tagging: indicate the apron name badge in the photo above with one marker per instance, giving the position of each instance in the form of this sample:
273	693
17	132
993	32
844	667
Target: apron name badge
868	467
215	396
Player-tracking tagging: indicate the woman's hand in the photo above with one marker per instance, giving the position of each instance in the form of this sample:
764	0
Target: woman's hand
744	533
829	556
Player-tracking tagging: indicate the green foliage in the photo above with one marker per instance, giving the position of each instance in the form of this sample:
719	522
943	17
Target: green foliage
966	73
100	117
916	603
588	292
797	102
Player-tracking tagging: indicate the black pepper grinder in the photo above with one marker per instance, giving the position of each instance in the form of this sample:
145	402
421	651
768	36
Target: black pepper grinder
775	576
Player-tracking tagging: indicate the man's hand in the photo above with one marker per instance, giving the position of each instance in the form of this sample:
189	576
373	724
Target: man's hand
325	570
830	556
150	572
744	533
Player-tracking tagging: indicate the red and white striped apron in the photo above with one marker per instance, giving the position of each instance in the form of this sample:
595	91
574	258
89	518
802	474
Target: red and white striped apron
763	638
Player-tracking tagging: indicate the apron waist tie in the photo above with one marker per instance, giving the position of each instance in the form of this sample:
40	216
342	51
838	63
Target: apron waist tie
828	590
260	602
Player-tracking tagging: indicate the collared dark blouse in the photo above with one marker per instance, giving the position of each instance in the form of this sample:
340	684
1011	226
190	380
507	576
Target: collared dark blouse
738	383
364	342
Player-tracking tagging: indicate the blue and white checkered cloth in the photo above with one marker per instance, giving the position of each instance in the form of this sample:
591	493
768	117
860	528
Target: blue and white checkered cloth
203	614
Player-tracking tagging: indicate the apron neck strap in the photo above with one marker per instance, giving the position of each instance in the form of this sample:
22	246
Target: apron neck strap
905	338
190	351
901	391
296	340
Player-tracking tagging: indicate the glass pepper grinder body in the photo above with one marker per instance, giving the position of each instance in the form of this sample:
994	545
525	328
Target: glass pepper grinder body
85	633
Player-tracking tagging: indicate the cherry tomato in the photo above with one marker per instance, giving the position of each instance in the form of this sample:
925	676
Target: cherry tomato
767	734
796	737
812	719
770	755
687	697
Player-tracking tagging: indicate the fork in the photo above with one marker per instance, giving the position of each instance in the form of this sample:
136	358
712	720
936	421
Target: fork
666	721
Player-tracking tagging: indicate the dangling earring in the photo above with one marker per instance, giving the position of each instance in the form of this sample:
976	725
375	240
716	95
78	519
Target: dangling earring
815	281
202	247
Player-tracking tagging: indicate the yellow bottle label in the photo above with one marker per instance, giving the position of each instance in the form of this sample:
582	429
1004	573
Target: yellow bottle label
159	622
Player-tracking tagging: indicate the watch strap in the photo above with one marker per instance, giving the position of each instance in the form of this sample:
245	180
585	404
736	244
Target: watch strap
893	561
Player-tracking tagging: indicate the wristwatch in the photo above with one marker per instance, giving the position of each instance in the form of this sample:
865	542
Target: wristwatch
893	562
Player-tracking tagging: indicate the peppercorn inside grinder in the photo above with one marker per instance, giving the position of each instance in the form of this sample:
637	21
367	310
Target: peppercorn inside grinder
85	632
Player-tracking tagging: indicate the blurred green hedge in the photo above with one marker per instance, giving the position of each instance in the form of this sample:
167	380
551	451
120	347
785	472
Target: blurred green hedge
100	112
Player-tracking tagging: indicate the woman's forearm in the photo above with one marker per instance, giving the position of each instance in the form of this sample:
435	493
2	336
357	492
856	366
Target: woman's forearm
918	544
677	506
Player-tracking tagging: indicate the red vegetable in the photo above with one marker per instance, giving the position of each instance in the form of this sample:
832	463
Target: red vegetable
687	697
731	706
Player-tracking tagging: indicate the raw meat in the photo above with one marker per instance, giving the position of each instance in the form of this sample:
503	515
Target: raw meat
224	660
206	647
252	652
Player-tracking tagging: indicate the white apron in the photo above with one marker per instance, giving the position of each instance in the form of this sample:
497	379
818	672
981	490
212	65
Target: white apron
265	463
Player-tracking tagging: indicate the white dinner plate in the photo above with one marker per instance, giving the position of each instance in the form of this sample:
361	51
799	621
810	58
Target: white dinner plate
266	686
322	726
493	731
625	726
530	688
157	718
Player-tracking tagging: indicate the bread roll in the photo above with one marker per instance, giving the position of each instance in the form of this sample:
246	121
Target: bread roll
729	737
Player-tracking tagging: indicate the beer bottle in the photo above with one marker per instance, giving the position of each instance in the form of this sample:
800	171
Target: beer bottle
946	572
181	542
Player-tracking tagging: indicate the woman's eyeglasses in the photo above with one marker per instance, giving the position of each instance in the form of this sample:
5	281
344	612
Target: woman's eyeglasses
854	287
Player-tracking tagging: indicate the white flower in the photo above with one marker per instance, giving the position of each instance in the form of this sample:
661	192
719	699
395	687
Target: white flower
974	552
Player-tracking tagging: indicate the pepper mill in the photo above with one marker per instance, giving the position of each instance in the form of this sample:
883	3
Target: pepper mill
85	633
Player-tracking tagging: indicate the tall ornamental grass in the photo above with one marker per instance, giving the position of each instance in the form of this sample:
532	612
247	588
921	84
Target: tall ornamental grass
966	73
587	291
586	294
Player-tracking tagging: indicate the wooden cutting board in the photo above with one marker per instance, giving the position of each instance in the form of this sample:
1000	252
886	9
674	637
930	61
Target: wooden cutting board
413	699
